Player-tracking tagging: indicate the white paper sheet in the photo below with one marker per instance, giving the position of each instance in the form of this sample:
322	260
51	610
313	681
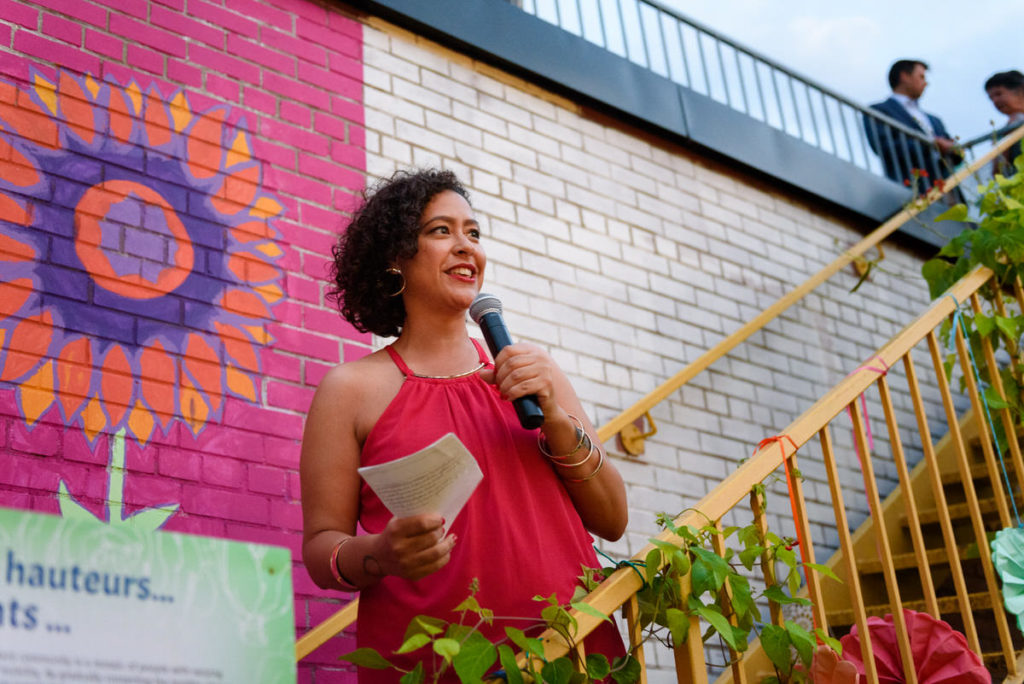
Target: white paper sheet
436	479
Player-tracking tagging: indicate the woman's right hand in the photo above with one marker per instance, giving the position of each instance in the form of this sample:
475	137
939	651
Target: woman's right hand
411	547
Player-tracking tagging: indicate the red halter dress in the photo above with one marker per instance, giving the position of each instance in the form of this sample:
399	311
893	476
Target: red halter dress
518	536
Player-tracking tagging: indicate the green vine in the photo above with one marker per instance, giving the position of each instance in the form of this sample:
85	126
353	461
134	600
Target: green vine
720	596
997	242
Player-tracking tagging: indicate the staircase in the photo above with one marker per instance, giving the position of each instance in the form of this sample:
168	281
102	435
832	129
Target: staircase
932	513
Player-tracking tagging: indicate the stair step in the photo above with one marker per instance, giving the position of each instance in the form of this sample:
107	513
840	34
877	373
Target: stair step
956	512
947	605
978	471
902	561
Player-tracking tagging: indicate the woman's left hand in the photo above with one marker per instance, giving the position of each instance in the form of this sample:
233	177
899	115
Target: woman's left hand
522	369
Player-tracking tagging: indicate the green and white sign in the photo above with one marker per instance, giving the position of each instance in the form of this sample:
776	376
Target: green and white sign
81	601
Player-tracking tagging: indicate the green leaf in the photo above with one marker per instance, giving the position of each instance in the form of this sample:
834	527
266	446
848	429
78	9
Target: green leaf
802	640
750	556
588	609
749	536
553	599
470	603
938	274
447	648
993	399
722	626
653	563
680	562
719	567
678	625
367	657
742	602
776	594
558	671
509	664
702	578
424	624
829	641
598	666
528	644
823	570
955	213
984	324
1008	326
414	642
414	676
474	659
775	643
625	670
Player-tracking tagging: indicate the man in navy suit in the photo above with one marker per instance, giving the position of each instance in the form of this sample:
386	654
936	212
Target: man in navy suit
900	153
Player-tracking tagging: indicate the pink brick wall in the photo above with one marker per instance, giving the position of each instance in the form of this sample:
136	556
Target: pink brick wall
270	136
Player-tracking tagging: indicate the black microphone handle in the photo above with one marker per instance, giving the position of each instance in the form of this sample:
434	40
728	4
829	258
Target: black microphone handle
496	335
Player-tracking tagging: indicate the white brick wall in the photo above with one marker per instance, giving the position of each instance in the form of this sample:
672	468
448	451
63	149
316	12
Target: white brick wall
629	257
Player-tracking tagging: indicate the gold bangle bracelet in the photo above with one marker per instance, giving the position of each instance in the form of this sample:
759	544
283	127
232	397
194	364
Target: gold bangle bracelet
577	464
581	433
600	464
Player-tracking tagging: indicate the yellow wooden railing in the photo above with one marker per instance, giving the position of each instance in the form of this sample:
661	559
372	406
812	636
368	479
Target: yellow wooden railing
619	591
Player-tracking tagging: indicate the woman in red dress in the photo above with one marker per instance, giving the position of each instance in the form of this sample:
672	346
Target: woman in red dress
409	264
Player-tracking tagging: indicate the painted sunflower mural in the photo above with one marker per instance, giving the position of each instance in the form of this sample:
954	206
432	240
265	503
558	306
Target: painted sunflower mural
137	257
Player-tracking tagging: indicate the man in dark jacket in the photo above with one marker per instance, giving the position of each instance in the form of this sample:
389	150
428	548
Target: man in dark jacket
901	154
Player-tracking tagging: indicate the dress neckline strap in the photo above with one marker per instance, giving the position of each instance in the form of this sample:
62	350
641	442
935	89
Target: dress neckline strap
408	372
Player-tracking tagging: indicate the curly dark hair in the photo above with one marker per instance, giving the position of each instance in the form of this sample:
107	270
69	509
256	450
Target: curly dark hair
383	229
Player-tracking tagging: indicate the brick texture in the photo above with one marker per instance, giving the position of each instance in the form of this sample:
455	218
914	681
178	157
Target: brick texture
182	98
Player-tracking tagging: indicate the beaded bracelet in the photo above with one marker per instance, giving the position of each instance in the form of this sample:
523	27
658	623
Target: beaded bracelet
342	581
600	464
581	434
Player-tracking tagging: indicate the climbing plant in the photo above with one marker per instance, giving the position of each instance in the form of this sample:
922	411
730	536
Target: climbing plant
720	597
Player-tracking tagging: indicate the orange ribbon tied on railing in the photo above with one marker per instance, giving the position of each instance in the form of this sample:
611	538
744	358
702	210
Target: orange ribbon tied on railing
790	483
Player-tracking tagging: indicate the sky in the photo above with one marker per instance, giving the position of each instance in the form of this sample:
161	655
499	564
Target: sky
849	46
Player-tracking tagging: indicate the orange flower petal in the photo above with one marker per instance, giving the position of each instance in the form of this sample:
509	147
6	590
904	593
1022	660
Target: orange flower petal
239	152
140	422
244	303
237	191
93	419
251	269
12	250
259	334
158	126
202	362
26	117
13	296
29	343
266	207
116	384
76	108
180	112
12	212
193	408
204	144
36	393
74	375
156	378
240	383
253	230
15	168
120	116
237	345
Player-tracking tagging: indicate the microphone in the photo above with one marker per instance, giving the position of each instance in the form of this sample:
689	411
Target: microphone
486	312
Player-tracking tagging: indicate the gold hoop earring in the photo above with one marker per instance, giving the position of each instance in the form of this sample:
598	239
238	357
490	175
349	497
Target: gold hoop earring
397	272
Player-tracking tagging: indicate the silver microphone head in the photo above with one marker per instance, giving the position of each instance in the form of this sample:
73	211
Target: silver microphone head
482	304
